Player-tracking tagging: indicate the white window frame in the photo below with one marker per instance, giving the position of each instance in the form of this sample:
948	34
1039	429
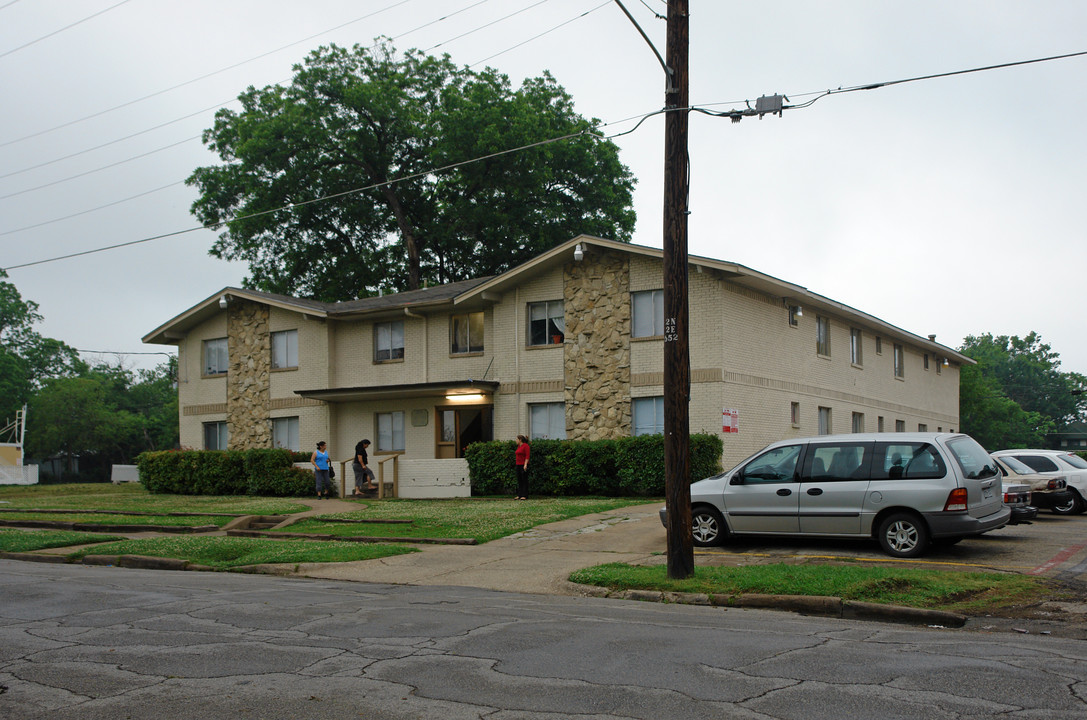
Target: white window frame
547	421
284	349
222	435
647	415
389	341
390	431
216	357
645	302
285	433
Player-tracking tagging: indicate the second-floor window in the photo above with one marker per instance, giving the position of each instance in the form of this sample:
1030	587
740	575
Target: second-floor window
546	325
389	341
900	361
822	336
467	332
215	357
855	355
285	349
647	309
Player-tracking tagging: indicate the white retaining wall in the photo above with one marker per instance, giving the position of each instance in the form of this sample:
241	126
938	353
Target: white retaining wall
124	473
432	478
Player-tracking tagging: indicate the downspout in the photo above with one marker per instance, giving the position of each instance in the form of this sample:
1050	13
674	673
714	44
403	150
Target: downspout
517	354
426	342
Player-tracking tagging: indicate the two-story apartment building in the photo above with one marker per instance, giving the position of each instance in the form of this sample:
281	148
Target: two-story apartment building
569	344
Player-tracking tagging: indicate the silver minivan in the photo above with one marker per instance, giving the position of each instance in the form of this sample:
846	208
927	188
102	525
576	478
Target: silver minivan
907	490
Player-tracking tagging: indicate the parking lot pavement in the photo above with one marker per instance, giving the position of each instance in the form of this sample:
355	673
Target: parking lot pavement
1052	546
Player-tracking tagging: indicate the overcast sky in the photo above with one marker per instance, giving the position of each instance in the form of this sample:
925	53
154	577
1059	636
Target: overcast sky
951	206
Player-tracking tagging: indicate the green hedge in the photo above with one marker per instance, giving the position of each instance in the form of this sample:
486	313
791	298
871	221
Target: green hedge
625	467
224	472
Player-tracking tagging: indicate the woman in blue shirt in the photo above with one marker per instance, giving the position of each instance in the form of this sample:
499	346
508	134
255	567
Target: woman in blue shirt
320	471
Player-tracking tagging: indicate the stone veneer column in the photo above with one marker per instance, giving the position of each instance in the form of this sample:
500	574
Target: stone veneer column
248	388
596	301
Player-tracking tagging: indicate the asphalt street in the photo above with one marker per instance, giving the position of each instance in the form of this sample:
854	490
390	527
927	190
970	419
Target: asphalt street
100	642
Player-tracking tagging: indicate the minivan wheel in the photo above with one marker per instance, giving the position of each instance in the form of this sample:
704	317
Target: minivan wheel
903	535
1073	506
707	526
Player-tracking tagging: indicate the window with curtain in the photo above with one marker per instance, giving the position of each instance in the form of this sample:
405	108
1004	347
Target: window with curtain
647	310
216	436
285	349
390	431
547	421
546	325
467	332
285	433
648	415
389	341
215	357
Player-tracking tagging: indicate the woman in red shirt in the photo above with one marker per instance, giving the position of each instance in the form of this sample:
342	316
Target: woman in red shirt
521	465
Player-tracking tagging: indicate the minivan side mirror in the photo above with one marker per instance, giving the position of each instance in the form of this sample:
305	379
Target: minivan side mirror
737	478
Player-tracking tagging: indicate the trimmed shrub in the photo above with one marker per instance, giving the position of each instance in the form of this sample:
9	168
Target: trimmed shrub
625	467
224	472
287	481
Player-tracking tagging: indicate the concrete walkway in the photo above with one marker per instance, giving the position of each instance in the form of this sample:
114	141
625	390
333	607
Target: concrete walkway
535	561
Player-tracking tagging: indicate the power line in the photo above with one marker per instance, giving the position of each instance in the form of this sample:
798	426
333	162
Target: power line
325	198
90	210
545	32
202	77
57	32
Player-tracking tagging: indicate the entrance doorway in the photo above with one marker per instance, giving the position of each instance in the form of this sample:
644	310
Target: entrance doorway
459	427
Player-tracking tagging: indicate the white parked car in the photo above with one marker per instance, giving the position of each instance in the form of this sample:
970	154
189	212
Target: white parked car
1057	463
1047	491
906	490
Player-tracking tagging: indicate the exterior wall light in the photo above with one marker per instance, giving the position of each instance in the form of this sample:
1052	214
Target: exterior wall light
223	302
579	253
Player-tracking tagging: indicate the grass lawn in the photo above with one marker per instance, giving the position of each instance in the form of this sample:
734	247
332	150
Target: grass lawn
482	519
106	519
965	593
227	552
132	497
30	540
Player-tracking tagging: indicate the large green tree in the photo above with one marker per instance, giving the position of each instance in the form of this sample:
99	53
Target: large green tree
26	357
1016	394
372	130
105	415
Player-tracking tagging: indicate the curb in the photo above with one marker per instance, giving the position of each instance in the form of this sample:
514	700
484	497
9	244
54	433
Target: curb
800	604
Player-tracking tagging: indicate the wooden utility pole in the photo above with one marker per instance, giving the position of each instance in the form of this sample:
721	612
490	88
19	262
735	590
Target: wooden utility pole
677	361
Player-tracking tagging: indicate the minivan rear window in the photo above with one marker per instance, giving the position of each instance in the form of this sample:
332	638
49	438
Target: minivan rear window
972	458
912	460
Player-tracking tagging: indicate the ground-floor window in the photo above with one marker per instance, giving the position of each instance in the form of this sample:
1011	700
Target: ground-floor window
285	433
858	422
390	432
547	421
825	427
216	436
649	416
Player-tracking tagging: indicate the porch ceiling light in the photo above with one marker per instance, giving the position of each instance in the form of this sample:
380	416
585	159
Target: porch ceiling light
465	397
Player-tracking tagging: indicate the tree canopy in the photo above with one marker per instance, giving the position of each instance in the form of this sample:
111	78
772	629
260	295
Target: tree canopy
105	414
1017	395
411	153
26	358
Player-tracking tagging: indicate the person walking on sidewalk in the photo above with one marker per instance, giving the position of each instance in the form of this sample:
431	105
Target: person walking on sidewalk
521	466
320	470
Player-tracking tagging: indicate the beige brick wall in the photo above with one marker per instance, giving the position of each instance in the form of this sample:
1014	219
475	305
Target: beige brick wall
744	355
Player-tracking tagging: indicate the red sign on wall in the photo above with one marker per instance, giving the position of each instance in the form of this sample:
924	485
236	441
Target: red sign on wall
730	420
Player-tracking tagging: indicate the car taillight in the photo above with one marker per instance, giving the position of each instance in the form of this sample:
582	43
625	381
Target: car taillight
956	500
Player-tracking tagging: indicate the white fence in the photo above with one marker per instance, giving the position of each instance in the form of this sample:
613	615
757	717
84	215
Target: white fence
18	474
